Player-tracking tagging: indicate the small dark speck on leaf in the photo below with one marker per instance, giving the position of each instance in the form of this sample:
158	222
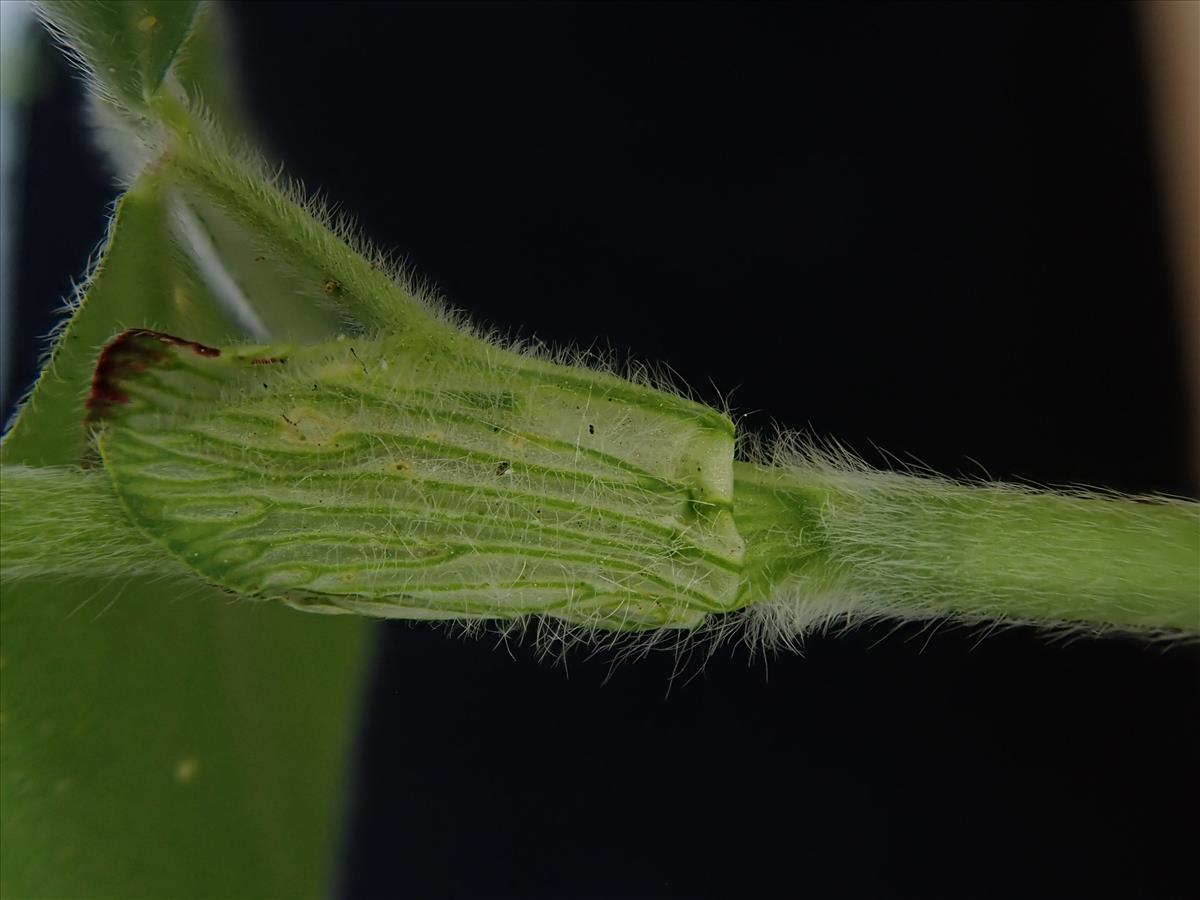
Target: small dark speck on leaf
591	429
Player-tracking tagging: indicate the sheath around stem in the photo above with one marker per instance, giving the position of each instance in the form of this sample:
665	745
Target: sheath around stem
419	477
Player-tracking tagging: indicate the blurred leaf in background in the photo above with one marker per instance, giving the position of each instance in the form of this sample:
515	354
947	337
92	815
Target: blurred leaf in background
158	738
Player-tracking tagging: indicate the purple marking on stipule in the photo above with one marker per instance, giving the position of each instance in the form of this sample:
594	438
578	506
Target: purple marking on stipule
128	354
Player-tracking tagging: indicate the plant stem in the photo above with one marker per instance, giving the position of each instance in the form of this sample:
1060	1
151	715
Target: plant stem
65	522
821	544
910	547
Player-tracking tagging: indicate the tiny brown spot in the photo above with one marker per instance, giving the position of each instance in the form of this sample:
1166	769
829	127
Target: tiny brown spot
591	429
503	467
187	769
332	287
402	465
259	258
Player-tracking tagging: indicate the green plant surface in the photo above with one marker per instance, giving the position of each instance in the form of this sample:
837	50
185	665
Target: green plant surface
380	477
251	405
158	740
62	506
142	276
921	547
129	47
165	742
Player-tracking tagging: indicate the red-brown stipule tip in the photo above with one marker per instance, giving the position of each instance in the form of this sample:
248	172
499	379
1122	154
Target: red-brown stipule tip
128	354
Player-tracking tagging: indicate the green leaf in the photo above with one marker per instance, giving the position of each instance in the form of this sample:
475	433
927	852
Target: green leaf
158	740
206	67
126	46
143	279
161	741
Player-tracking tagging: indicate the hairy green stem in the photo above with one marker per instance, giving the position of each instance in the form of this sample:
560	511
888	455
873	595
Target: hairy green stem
61	522
823	544
875	543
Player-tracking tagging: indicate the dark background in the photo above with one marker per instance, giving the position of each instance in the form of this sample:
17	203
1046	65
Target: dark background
933	229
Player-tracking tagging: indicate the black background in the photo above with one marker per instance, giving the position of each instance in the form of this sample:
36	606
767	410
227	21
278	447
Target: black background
933	229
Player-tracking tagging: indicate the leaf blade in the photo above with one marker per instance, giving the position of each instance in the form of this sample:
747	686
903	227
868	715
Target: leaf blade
143	278
126	48
111	688
161	743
